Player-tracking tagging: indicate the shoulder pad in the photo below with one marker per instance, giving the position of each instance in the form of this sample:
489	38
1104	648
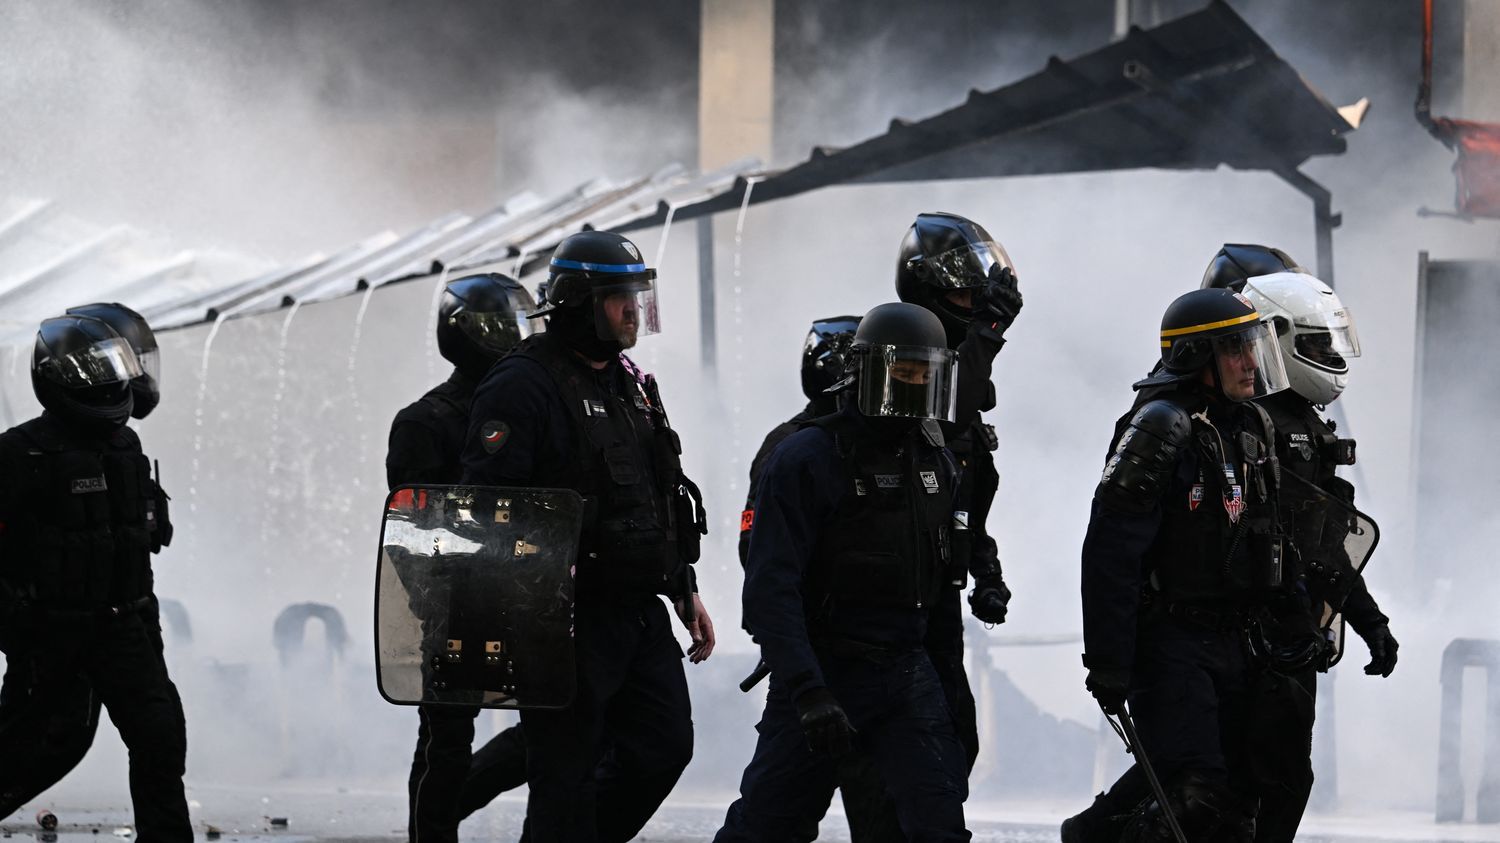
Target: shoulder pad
1144	458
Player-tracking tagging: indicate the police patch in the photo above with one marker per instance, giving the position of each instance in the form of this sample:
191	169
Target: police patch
929	480
888	481
494	435
89	485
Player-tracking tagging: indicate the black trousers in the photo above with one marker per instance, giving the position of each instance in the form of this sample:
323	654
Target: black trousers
449	781
870	810
902	722
42	737
599	769
1278	731
121	660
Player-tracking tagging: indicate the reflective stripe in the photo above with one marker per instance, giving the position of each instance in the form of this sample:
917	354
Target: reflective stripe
1252	316
620	268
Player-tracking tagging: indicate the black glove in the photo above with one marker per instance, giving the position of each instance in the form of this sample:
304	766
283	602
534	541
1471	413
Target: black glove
1382	650
989	599
999	300
824	722
1109	686
988	436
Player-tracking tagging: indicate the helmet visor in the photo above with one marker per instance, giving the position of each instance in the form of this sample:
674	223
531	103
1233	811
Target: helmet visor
151	363
966	266
904	381
625	310
105	362
1249	363
497	331
1326	340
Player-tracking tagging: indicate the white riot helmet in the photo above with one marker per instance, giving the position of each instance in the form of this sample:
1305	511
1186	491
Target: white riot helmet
1314	328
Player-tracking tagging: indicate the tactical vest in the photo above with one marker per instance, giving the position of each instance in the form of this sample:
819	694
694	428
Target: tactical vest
1219	540
444	411
626	465
83	535
1308	447
889	542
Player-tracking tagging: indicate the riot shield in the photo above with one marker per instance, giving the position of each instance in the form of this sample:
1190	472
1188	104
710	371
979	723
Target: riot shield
474	596
1359	535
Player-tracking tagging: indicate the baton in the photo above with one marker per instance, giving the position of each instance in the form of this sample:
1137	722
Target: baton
1126	730
761	671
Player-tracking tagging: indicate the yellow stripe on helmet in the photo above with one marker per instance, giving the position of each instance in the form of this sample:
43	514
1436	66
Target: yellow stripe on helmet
1252	316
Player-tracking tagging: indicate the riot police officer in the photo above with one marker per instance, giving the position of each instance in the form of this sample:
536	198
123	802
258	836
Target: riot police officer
1182	556
1305	313
851	538
41	744
480	318
954	268
82	516
567	410
824	354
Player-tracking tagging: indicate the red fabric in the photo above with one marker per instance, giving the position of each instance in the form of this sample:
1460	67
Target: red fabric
1477	170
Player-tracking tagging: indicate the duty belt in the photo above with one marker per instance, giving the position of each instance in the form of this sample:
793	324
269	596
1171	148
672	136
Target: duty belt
1209	618
849	648
103	612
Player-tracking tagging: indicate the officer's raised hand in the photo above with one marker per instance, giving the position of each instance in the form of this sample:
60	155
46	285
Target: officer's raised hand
989	599
696	621
824	722
1109	685
999	300
1382	650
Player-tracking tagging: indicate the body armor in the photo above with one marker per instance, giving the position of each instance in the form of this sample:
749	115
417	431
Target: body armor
889	543
444	413
627	466
82	541
1220	541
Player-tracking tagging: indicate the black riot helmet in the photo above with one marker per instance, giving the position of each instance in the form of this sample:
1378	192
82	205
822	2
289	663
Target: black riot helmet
825	354
81	370
1236	263
941	253
480	318
1221	331
904	366
596	277
132	326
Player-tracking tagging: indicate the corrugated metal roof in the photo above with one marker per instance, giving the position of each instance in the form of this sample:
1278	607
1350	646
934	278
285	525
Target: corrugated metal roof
1198	92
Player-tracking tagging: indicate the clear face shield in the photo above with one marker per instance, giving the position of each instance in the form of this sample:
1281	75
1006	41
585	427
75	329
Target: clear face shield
1326	340
105	362
967	266
902	381
1249	363
151	364
625	311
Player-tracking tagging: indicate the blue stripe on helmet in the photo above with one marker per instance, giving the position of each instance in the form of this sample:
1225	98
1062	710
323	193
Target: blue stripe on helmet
620	268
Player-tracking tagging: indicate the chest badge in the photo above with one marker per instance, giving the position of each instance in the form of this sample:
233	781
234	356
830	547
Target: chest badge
89	485
1234	503
888	481
594	409
859	487
1195	496
929	481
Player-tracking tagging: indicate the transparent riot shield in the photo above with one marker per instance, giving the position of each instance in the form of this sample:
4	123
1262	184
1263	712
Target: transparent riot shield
474	596
1360	534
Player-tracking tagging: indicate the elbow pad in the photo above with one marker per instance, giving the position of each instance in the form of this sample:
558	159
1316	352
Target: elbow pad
1139	470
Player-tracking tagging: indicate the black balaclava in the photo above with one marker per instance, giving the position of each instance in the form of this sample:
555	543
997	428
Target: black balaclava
575	327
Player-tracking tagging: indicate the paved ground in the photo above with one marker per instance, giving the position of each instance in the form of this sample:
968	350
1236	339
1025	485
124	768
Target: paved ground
335	815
